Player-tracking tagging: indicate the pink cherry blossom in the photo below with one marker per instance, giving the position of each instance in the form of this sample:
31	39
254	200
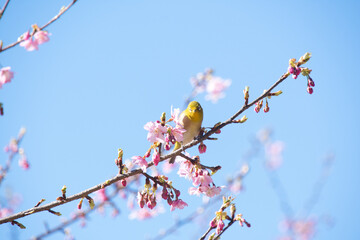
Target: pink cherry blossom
156	132
194	191
180	204
156	157
140	161
216	87
175	114
178	132
28	42
220	226
202	178
4	212
101	195
212	191
145	213
186	169
23	162
41	37
12	147
273	152
5	75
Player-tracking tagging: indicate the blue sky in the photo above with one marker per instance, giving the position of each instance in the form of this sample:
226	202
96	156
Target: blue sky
112	66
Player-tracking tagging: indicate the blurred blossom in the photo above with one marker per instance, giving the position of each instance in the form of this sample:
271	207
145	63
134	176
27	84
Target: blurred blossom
168	168
216	88
5	75
32	43
41	37
28	42
145	213
23	162
273	152
4	212
299	229
213	85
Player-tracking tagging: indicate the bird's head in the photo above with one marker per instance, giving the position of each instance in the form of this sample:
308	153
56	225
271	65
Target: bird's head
194	111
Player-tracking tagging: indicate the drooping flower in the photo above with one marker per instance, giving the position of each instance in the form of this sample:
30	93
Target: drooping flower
5	75
180	204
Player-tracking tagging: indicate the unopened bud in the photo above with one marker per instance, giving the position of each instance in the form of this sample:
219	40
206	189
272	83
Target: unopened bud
232	210
310	90
202	148
120	153
243	119
123	182
311	82
266	108
303	59
163	119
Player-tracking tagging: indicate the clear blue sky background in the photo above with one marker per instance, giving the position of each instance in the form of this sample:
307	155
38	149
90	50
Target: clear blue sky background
112	66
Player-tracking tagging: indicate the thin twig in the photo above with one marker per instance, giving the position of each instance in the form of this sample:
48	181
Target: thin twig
4	8
62	11
206	233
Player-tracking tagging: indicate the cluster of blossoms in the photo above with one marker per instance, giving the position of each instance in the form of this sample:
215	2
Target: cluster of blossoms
295	70
170	194
31	42
201	178
5	75
218	221
213	85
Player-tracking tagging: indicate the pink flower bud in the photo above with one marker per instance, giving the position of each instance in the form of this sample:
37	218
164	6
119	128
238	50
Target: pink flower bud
213	223
218	131
147	154
291	70
177	193
310	90
220	226
123	182
202	148
311	82
167	146
164	194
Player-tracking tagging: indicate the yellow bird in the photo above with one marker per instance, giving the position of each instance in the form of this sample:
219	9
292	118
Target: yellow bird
191	118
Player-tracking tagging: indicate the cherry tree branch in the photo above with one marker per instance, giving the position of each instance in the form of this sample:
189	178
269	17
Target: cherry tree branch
120	177
82	214
62	11
4	8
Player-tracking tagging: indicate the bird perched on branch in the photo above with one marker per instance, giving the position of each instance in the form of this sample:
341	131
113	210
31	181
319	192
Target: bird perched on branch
191	119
